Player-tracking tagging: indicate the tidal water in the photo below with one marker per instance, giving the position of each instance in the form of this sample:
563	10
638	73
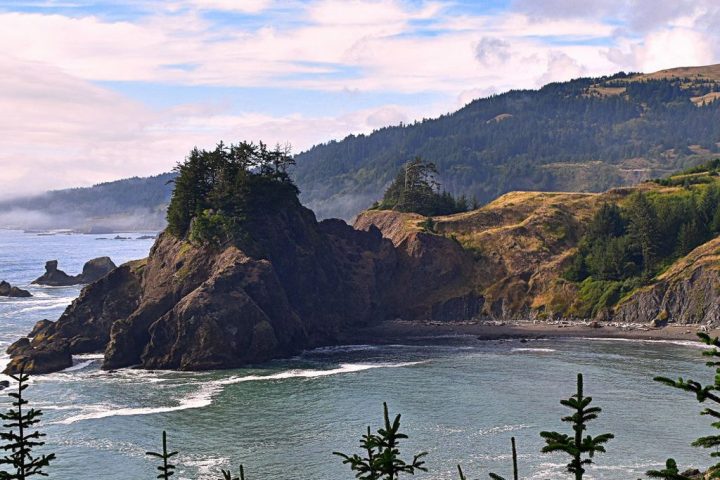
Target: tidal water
461	399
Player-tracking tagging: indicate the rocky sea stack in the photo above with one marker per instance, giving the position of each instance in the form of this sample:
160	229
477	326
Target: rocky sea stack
92	270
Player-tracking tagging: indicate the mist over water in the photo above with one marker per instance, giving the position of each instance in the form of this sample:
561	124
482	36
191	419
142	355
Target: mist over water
461	399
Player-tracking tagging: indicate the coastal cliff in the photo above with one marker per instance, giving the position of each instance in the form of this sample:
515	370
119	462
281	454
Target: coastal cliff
273	280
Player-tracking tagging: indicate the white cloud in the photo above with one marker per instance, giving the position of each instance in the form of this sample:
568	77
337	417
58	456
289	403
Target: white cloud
245	6
65	130
68	132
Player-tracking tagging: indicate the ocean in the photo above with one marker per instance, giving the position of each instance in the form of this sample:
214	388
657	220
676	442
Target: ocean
461	399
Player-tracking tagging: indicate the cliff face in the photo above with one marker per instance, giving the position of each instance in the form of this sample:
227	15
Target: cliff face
688	292
296	283
191	307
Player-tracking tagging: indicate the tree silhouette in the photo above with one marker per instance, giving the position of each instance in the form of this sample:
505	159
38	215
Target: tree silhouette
383	460
702	394
167	469
495	476
18	440
576	445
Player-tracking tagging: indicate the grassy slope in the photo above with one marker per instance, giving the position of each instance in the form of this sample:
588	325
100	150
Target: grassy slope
522	242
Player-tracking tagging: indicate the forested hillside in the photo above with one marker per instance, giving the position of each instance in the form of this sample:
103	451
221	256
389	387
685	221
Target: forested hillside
587	134
130	204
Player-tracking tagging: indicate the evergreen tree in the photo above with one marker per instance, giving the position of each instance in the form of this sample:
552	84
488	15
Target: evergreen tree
19	441
704	393
670	472
227	475
416	189
217	191
643	231
576	445
166	469
382	450
495	476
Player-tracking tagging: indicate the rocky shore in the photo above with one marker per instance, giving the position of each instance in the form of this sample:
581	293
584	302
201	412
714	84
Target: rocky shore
396	331
7	290
295	283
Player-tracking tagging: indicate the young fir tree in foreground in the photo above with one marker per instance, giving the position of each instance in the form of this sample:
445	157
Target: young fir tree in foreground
167	469
382	450
702	394
576	445
19	441
495	476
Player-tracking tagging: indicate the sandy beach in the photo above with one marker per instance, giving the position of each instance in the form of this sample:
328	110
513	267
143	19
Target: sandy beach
393	331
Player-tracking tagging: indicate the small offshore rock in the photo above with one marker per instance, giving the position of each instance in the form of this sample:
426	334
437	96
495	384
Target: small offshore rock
93	270
7	290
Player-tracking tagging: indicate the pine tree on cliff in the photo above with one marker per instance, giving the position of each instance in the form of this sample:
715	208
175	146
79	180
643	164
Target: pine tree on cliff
643	230
217	190
576	445
166	468
704	393
382	450
19	441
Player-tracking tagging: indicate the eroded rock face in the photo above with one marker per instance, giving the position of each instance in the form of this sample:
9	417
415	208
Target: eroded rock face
84	327
689	292
198	307
7	290
92	270
54	277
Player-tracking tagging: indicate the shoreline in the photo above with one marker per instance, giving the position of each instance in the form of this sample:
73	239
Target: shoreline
394	331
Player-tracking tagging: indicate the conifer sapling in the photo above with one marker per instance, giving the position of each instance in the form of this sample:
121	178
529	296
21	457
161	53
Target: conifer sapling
382	460
167	469
703	393
576	445
18	440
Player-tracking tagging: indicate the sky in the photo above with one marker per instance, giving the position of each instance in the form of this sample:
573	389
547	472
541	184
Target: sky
96	90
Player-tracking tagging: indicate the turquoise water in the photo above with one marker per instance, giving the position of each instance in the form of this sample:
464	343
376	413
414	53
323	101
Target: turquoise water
461	399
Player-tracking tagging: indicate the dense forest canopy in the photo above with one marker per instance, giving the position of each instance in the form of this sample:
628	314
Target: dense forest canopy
587	134
416	189
626	245
217	191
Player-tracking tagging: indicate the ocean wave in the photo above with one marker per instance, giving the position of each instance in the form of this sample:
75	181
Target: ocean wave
78	366
89	356
343	368
204	396
682	343
541	350
199	399
342	349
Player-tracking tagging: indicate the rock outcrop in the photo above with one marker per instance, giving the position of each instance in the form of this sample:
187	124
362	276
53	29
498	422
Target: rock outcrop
200	307
687	293
92	270
7	290
294	283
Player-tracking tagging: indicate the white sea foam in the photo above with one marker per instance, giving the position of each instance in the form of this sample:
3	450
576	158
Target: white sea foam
682	343
89	356
542	350
343	368
78	366
343	348
204	396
